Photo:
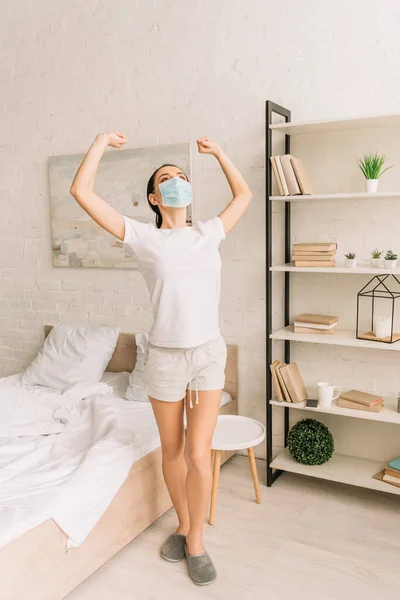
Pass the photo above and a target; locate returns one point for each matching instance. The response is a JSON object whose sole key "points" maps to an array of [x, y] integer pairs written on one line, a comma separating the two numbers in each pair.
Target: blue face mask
{"points": [[176, 192]]}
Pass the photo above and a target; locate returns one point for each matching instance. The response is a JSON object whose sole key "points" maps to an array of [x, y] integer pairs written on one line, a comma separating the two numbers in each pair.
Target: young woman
{"points": [[187, 355]]}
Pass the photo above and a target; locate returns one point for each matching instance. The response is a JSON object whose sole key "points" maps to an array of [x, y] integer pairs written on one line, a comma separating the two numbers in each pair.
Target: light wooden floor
{"points": [[308, 540]]}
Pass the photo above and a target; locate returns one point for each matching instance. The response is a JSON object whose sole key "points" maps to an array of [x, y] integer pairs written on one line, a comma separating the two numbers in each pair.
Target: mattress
{"points": [[70, 465]]}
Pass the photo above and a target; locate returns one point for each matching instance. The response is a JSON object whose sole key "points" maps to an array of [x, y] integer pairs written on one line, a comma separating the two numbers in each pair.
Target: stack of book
{"points": [[311, 323], [290, 175], [288, 383], [360, 401], [391, 473], [314, 255]]}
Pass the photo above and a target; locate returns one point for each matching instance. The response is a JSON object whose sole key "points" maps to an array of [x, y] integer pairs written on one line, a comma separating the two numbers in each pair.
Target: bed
{"points": [[37, 566]]}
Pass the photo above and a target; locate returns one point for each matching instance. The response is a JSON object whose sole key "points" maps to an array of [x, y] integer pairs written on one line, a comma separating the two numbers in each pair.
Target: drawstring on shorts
{"points": [[190, 379]]}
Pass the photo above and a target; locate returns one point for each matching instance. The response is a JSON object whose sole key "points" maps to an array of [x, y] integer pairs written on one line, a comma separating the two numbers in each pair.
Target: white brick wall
{"points": [[164, 73]]}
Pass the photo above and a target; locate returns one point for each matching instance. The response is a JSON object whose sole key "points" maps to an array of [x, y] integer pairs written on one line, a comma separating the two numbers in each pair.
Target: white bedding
{"points": [[35, 410], [73, 475]]}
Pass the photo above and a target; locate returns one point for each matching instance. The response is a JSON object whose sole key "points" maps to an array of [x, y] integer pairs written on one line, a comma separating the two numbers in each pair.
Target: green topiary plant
{"points": [[310, 442]]}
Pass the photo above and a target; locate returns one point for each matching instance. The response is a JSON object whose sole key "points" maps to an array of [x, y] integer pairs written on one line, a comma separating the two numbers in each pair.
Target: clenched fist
{"points": [[115, 139], [207, 146]]}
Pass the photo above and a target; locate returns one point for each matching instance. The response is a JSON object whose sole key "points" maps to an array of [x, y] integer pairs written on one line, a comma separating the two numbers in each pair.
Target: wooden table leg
{"points": [[254, 475], [217, 465]]}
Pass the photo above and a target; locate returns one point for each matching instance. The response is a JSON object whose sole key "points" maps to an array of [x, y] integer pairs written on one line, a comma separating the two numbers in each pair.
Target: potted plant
{"points": [[390, 260], [376, 256], [371, 166], [351, 260]]}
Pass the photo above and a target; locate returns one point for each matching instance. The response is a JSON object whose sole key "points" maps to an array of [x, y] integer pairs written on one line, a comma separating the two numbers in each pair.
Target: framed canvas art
{"points": [[121, 180]]}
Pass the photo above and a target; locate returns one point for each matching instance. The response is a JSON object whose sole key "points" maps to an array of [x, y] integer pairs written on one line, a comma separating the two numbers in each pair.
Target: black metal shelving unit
{"points": [[270, 109]]}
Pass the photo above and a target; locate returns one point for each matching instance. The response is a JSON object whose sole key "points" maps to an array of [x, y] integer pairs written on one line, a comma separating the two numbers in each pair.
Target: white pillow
{"points": [[72, 355], [135, 389]]}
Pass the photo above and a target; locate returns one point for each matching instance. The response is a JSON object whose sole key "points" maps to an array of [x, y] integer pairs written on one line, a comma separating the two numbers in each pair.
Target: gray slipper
{"points": [[173, 549], [201, 568]]}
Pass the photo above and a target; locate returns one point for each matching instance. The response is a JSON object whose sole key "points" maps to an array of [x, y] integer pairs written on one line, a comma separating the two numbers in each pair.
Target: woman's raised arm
{"points": [[82, 186], [240, 190]]}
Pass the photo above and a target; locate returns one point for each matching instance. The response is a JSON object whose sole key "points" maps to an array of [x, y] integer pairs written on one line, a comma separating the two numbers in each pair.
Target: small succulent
{"points": [[390, 255], [350, 255], [371, 165], [375, 253]]}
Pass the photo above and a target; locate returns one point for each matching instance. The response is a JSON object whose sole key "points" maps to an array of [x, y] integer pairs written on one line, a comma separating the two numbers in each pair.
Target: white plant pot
{"points": [[351, 263], [375, 262], [371, 185], [390, 264]]}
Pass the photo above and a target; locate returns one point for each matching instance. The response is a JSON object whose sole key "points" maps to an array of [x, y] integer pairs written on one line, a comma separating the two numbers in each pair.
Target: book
{"points": [[301, 175], [354, 405], [313, 258], [314, 325], [380, 475], [314, 318], [361, 397], [300, 329], [282, 176], [294, 382], [315, 247], [395, 464], [393, 472], [391, 479], [311, 263], [281, 381], [275, 381], [276, 174], [290, 177], [300, 253]]}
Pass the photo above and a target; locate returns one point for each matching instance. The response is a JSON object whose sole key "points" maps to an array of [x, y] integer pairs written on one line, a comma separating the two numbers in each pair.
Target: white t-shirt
{"points": [[182, 270]]}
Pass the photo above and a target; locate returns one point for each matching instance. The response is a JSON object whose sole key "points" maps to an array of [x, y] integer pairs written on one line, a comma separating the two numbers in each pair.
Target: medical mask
{"points": [[176, 192]]}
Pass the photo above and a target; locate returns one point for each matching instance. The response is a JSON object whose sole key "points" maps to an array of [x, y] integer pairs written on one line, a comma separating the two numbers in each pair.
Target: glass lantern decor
{"points": [[378, 324]]}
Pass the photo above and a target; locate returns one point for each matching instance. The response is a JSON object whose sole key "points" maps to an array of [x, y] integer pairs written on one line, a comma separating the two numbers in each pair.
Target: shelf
{"points": [[341, 196], [366, 121], [341, 468], [359, 270], [341, 337], [388, 414]]}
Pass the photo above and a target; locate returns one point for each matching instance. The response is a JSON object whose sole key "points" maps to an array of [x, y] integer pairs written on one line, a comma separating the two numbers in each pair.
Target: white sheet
{"points": [[71, 476], [34, 410]]}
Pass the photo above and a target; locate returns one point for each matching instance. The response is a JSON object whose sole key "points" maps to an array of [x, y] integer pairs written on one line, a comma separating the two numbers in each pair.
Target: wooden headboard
{"points": [[124, 359]]}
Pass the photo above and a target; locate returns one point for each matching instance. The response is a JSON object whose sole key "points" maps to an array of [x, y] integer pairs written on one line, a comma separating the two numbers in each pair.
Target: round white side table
{"points": [[234, 432]]}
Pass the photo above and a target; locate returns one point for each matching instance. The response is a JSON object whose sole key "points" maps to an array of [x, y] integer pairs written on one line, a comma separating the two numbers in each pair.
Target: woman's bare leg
{"points": [[201, 421], [169, 418]]}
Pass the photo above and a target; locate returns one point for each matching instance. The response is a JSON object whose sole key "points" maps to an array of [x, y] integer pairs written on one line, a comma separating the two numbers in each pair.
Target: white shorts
{"points": [[169, 372]]}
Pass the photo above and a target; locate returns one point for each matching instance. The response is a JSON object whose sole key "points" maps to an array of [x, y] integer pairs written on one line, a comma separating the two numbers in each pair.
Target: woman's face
{"points": [[164, 174]]}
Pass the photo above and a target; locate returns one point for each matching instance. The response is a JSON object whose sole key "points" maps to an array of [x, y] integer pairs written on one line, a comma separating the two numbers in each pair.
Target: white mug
{"points": [[326, 393]]}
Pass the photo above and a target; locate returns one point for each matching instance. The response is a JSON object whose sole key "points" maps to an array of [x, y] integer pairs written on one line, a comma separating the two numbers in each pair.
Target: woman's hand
{"points": [[115, 139], [207, 146]]}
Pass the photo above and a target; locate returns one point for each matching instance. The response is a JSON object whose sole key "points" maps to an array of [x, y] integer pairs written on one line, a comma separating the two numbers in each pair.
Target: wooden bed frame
{"points": [[37, 566]]}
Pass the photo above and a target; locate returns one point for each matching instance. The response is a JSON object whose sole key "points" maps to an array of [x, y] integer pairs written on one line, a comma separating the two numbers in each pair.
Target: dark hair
{"points": [[150, 190]]}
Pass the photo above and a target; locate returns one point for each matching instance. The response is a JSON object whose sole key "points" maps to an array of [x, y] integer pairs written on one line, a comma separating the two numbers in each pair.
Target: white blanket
{"points": [[70, 476], [35, 410]]}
